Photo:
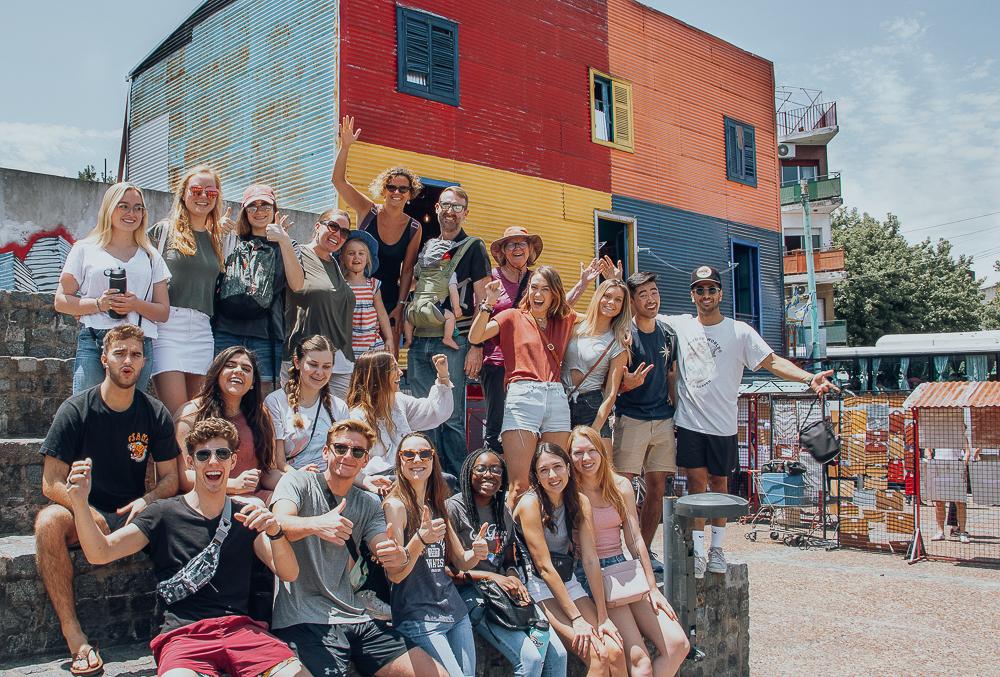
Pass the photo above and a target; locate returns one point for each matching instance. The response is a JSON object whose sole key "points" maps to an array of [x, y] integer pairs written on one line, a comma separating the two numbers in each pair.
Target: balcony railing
{"points": [[821, 188], [832, 333], [798, 120], [824, 261]]}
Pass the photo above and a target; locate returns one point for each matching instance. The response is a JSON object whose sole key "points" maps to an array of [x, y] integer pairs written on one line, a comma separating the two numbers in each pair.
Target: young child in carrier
{"points": [[359, 259], [435, 255]]}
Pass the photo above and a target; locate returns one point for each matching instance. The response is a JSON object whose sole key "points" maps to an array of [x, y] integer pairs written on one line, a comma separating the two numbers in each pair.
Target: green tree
{"points": [[894, 287], [88, 173]]}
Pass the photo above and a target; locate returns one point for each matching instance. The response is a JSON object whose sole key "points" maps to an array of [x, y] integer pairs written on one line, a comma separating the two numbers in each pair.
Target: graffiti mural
{"points": [[34, 266]]}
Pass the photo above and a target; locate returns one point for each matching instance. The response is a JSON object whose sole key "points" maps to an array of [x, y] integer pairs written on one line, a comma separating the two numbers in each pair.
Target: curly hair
{"points": [[316, 342], [121, 332], [210, 404], [377, 186], [210, 428], [571, 495]]}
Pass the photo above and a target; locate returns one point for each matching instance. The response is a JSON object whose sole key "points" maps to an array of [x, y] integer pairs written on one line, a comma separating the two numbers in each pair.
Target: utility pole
{"points": [[810, 272]]}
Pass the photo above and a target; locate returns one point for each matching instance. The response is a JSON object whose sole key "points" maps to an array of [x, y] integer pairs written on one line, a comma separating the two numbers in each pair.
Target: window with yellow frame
{"points": [[611, 111]]}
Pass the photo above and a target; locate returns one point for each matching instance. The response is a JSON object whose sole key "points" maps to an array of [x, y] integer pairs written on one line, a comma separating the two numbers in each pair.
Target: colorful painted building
{"points": [[605, 126]]}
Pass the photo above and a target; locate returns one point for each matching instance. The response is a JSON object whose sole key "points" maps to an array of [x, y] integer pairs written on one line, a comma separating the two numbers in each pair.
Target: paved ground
{"points": [[814, 613]]}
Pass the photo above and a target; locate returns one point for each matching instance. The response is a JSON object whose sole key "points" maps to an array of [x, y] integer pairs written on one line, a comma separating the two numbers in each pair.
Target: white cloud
{"points": [[46, 148], [904, 28], [981, 70]]}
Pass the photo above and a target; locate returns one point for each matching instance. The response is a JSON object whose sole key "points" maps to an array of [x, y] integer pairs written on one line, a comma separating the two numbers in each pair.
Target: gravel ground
{"points": [[812, 612]]}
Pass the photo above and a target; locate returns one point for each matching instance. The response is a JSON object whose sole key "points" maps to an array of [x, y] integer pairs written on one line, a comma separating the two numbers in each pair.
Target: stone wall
{"points": [[31, 390], [30, 326]]}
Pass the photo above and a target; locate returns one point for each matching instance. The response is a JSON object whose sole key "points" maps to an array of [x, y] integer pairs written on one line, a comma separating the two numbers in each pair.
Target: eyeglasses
{"points": [[197, 191], [424, 454], [125, 209], [333, 226], [392, 188], [711, 291], [264, 207], [344, 449], [222, 454], [487, 470], [451, 207], [517, 244]]}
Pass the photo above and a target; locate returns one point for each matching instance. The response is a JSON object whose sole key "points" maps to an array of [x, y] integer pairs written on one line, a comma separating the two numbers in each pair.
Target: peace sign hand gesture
{"points": [[633, 379], [278, 231]]}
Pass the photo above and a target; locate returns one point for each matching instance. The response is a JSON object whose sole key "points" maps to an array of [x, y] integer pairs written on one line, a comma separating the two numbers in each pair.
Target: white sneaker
{"points": [[939, 536], [700, 564], [376, 608], [963, 536], [716, 561]]}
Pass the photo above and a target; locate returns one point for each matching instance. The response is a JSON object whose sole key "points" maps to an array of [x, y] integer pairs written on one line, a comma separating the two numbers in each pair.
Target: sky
{"points": [[917, 87]]}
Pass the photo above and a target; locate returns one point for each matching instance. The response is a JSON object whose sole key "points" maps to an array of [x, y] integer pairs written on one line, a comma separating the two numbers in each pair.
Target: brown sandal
{"points": [[84, 656]]}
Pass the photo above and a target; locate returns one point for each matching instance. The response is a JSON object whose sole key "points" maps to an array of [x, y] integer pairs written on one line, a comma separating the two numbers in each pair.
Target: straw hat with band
{"points": [[516, 233]]}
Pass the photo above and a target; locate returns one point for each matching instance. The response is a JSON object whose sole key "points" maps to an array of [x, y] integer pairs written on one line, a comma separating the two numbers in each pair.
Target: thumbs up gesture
{"points": [[388, 552], [333, 526], [480, 548], [431, 530]]}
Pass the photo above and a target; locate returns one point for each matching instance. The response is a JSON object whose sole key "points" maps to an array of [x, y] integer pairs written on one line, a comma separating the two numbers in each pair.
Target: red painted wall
{"points": [[523, 78]]}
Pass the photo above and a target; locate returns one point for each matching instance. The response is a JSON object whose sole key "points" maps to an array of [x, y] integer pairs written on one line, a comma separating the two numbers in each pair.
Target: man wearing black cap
{"points": [[712, 352]]}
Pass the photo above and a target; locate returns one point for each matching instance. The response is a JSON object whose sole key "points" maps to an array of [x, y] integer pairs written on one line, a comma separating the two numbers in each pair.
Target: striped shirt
{"points": [[366, 334]]}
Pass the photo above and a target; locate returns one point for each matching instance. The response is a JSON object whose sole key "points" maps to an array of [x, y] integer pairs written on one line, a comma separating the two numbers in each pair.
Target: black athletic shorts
{"points": [[718, 453], [326, 650]]}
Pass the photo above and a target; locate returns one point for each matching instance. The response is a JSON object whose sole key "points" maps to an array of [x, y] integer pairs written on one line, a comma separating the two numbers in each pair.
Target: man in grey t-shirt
{"points": [[318, 613]]}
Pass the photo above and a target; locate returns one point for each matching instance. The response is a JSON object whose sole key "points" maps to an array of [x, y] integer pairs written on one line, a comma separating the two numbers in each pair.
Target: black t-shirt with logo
{"points": [[118, 443], [651, 400], [176, 533]]}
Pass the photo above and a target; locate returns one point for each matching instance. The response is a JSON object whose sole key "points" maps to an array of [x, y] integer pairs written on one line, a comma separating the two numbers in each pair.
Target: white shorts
{"points": [[540, 592], [184, 343], [536, 407]]}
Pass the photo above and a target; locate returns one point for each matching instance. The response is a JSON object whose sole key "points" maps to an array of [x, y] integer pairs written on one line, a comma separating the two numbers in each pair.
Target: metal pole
{"points": [[810, 272], [668, 554]]}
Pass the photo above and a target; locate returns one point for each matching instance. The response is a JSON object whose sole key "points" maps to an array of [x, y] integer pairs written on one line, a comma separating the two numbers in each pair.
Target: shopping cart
{"points": [[789, 506]]}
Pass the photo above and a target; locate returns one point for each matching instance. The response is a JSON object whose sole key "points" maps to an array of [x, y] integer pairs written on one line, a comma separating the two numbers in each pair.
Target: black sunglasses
{"points": [[222, 453], [701, 291], [392, 188], [424, 454], [344, 449]]}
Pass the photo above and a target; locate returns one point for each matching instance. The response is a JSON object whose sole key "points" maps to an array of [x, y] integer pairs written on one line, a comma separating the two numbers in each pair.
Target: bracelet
{"points": [[421, 539], [98, 302], [808, 379], [279, 535], [485, 307], [575, 617]]}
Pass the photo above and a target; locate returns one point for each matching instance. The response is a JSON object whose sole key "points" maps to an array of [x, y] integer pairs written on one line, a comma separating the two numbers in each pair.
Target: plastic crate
{"points": [[782, 489]]}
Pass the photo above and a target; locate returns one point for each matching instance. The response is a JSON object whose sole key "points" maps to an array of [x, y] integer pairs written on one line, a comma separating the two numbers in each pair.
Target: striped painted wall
{"points": [[686, 240], [684, 81], [252, 93]]}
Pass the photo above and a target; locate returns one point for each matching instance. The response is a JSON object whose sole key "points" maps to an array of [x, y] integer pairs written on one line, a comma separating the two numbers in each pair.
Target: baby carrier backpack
{"points": [[435, 266]]}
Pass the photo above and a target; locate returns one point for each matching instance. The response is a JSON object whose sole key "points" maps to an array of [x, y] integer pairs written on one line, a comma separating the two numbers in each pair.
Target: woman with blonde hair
{"points": [[190, 240], [397, 235], [612, 505], [117, 252], [597, 357], [374, 398]]}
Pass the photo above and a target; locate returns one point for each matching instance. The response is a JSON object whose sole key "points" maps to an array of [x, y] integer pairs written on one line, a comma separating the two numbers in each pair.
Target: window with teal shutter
{"points": [[427, 48], [741, 152]]}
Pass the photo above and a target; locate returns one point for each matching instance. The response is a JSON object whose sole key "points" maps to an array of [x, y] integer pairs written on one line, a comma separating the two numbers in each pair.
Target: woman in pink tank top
{"points": [[615, 516]]}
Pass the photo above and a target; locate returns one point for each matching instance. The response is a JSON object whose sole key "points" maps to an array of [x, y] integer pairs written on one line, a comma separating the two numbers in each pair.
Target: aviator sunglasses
{"points": [[197, 191], [344, 449], [222, 454]]}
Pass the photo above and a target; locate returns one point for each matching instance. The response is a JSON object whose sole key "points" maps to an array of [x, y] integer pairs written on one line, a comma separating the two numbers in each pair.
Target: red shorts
{"points": [[237, 645]]}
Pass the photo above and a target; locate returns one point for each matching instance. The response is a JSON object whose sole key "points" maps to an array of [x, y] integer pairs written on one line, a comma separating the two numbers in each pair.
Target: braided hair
{"points": [[316, 342], [497, 504]]}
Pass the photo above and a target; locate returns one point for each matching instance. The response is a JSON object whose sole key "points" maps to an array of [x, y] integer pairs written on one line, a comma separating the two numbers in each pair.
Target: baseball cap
{"points": [[258, 191], [705, 274]]}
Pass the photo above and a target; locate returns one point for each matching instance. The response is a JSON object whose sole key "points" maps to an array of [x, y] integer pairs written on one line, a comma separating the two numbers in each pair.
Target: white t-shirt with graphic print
{"points": [[711, 360]]}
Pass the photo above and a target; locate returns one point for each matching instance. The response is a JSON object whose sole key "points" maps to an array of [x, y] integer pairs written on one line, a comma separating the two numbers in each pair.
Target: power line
{"points": [[948, 223]]}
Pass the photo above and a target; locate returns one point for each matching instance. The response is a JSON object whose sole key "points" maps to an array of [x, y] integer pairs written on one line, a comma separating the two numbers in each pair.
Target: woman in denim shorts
{"points": [[597, 357], [118, 244], [533, 338], [612, 505]]}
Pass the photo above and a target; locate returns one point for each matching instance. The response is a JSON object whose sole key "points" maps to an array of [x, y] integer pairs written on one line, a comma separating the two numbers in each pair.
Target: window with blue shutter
{"points": [[427, 48], [741, 152]]}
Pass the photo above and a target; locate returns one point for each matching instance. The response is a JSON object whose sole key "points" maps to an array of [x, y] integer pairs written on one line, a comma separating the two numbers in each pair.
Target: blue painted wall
{"points": [[687, 240]]}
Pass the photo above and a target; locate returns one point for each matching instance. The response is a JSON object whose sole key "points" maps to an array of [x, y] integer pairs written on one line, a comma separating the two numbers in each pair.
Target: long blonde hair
{"points": [[606, 475], [181, 235], [101, 233], [621, 324]]}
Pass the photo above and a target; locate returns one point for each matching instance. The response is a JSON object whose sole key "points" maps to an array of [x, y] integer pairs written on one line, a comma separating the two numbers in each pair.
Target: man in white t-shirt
{"points": [[712, 352]]}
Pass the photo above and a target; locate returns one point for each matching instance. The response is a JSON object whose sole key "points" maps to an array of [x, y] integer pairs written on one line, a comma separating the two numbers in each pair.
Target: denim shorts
{"points": [[87, 368], [536, 408], [268, 352], [583, 410], [605, 562]]}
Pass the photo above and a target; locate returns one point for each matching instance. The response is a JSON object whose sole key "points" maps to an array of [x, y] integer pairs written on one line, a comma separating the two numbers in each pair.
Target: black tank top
{"points": [[390, 257]]}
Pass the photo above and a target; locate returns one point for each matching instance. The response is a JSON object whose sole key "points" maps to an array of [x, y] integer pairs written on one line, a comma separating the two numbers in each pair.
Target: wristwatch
{"points": [[280, 534]]}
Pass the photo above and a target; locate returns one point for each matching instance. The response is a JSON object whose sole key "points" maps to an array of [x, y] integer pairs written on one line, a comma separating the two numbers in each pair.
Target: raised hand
{"points": [[610, 269], [333, 526], [258, 518], [590, 272], [246, 482], [440, 363], [480, 548], [388, 552], [348, 134], [633, 379], [278, 231], [78, 481], [493, 289], [227, 225], [431, 530]]}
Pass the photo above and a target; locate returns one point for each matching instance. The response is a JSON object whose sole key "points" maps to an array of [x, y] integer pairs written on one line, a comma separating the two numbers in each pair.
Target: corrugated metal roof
{"points": [[953, 394]]}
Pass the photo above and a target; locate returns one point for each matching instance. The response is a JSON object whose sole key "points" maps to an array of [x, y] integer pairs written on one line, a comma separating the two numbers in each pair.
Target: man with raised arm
{"points": [[120, 429], [318, 614], [201, 544]]}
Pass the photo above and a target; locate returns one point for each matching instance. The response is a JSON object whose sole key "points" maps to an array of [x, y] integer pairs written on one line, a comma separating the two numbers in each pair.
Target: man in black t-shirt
{"points": [[201, 544], [472, 273], [120, 428]]}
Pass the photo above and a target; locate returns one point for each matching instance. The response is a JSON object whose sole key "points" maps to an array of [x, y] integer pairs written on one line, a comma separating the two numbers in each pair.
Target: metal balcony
{"points": [[821, 188], [801, 122]]}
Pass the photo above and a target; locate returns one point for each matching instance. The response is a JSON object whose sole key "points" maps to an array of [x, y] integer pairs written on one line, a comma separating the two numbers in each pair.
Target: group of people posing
{"points": [[279, 427]]}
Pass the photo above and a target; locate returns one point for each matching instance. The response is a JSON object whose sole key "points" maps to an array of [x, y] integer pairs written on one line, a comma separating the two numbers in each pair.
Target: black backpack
{"points": [[245, 289]]}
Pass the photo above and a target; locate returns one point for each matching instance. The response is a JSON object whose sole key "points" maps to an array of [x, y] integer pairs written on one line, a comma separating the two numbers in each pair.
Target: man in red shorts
{"points": [[201, 545]]}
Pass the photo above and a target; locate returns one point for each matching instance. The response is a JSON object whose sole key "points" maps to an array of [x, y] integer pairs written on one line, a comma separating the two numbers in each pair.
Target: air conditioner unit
{"points": [[786, 151]]}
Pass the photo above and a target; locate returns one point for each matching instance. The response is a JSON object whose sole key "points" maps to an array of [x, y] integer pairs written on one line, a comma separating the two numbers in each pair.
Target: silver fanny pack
{"points": [[196, 574]]}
